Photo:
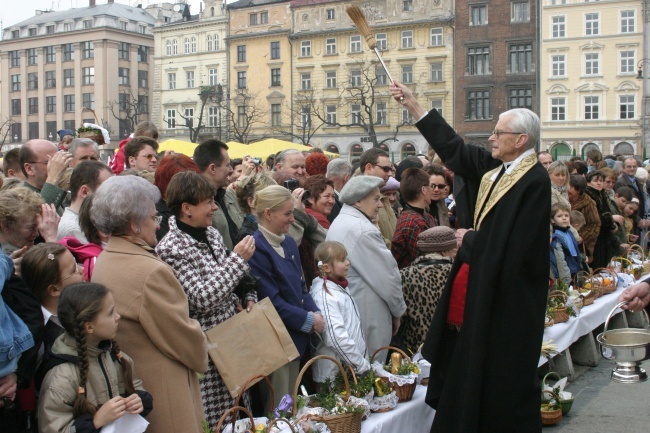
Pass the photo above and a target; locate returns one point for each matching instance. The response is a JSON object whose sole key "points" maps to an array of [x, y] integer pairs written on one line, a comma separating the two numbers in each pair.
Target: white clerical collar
{"points": [[510, 166]]}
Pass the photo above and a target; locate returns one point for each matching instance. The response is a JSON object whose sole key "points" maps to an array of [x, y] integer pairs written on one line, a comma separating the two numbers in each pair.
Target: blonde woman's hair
{"points": [[271, 198], [18, 204]]}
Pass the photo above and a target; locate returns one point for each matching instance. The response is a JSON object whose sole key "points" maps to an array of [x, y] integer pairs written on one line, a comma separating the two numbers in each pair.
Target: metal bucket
{"points": [[628, 347]]}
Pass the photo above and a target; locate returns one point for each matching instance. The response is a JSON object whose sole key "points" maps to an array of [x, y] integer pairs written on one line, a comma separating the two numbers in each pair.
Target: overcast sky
{"points": [[11, 15]]}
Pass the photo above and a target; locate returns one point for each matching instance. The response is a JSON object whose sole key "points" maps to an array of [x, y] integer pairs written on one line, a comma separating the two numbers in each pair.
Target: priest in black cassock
{"points": [[486, 335]]}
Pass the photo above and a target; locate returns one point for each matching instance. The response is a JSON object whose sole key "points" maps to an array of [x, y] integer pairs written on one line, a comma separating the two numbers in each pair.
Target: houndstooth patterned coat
{"points": [[209, 286]]}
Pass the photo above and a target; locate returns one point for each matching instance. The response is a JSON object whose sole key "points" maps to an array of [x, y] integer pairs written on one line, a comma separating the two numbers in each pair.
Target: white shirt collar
{"points": [[47, 316], [510, 166]]}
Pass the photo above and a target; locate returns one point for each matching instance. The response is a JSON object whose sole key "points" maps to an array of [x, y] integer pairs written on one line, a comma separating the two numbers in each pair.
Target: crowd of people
{"points": [[113, 272]]}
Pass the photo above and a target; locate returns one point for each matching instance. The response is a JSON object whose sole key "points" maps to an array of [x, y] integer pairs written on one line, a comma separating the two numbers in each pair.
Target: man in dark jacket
{"points": [[491, 312]]}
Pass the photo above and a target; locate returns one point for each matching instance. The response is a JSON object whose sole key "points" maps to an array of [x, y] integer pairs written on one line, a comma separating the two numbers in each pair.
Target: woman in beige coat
{"points": [[155, 329]]}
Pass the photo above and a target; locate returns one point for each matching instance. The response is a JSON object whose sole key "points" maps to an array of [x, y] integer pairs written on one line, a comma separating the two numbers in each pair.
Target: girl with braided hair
{"points": [[90, 382]]}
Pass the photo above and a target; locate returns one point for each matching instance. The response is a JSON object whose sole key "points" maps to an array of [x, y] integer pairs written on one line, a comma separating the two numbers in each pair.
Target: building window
{"points": [[252, 19], [50, 79], [32, 104], [558, 109], [478, 105], [330, 116], [355, 78], [171, 80], [380, 74], [168, 46], [67, 27], [210, 46], [143, 79], [87, 50], [592, 63], [382, 114], [521, 58], [15, 34], [33, 130], [174, 47], [123, 51], [591, 107], [123, 76], [89, 75], [212, 76], [520, 12], [626, 106], [520, 98], [88, 24], [68, 77], [142, 29], [330, 46], [330, 14], [264, 17], [68, 52], [32, 81], [382, 41], [407, 5], [355, 44], [275, 77], [628, 21], [355, 114], [276, 115], [627, 62], [436, 37], [89, 100], [212, 117], [50, 54], [305, 48], [241, 116], [186, 45], [50, 104], [407, 117], [32, 56], [558, 27], [558, 65], [143, 54], [436, 104], [124, 25], [15, 58], [275, 50], [436, 72], [15, 107], [189, 75], [241, 53], [241, 80], [305, 117], [143, 103], [15, 83], [478, 15], [478, 60], [68, 103], [592, 24], [192, 45], [32, 32], [407, 39], [407, 74], [330, 79], [189, 117], [305, 81], [171, 119]]}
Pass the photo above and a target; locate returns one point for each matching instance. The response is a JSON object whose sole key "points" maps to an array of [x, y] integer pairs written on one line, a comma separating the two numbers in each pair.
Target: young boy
{"points": [[561, 219]]}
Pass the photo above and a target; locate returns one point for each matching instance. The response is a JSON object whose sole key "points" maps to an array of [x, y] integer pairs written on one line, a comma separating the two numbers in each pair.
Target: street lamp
{"points": [[644, 99]]}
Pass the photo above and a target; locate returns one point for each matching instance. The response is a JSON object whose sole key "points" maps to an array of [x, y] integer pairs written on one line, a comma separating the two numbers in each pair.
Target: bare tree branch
{"points": [[127, 109], [5, 130], [247, 113]]}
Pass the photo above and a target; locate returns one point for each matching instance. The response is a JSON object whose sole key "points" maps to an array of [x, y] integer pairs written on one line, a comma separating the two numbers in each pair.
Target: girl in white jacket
{"points": [[342, 338]]}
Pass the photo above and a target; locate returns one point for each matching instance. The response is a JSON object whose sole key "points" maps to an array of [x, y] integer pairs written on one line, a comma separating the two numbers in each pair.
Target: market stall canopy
{"points": [[268, 147], [178, 146]]}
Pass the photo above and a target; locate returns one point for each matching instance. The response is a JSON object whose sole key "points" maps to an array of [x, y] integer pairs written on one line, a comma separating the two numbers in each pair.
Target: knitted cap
{"points": [[407, 163], [358, 188], [437, 239], [391, 185]]}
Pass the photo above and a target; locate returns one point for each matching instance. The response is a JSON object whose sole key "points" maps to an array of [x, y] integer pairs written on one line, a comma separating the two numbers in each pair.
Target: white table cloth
{"points": [[413, 416]]}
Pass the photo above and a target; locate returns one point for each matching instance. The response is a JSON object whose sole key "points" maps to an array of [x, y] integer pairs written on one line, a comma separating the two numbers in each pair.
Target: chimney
{"points": [[91, 3]]}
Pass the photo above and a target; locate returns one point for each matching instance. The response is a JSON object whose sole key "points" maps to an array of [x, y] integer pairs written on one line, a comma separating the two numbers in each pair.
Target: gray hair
{"points": [[82, 142], [524, 121], [338, 167], [279, 159], [120, 200]]}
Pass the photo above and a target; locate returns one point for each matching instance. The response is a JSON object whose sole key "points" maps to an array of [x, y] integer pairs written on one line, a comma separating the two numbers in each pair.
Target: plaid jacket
{"points": [[405, 240]]}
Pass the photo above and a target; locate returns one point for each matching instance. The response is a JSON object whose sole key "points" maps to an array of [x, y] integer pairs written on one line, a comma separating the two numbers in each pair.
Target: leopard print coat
{"points": [[422, 284]]}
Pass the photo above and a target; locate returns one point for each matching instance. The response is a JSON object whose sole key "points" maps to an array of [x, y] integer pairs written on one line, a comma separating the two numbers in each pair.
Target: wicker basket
{"points": [[340, 423], [560, 313], [608, 280], [252, 381], [95, 135], [565, 404], [404, 392], [234, 409], [284, 420], [551, 417], [548, 321]]}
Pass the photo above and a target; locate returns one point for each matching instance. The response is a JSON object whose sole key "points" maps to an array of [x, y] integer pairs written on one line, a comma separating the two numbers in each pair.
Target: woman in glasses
{"points": [[155, 330], [440, 183], [208, 272]]}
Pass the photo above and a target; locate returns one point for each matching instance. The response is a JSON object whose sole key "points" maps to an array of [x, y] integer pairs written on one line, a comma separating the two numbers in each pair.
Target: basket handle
{"points": [[553, 393], [234, 409], [304, 369], [396, 349], [354, 376], [92, 111], [252, 381], [276, 420], [550, 373]]}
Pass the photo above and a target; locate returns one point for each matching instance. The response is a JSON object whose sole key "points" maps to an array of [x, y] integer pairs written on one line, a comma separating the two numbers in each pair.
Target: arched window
{"points": [[174, 47], [193, 45], [384, 147], [210, 41], [187, 45], [408, 149], [169, 47], [587, 147], [560, 152], [212, 10], [332, 148], [623, 148], [355, 151], [216, 42]]}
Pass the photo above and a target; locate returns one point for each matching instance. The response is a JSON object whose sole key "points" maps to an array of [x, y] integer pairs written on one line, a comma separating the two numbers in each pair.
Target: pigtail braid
{"points": [[127, 370], [81, 404]]}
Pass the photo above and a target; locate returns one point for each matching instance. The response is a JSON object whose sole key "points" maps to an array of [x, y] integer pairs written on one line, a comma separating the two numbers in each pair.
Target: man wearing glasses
{"points": [[140, 154], [375, 162], [43, 166], [491, 313]]}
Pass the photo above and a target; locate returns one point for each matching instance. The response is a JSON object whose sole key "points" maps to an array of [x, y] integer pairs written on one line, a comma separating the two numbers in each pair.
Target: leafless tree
{"points": [[244, 114], [306, 121], [129, 108], [5, 130]]}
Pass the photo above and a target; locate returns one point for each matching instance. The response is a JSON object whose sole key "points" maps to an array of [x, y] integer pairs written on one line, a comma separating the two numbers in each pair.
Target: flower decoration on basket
{"points": [[400, 373], [93, 131], [557, 308], [585, 286]]}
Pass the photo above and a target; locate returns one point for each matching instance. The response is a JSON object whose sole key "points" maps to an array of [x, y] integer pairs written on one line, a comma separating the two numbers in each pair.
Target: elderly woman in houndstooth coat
{"points": [[207, 271]]}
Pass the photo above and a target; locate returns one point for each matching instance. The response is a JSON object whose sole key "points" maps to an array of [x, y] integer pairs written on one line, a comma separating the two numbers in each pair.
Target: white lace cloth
{"points": [[385, 402], [393, 378], [107, 137]]}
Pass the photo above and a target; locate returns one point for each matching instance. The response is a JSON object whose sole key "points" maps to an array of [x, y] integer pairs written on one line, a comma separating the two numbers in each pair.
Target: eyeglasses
{"points": [[149, 156], [157, 219], [438, 185], [386, 168], [79, 270], [496, 133]]}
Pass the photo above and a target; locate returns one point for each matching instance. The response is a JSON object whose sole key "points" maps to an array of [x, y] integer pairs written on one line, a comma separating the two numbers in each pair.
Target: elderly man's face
{"points": [[84, 153], [629, 167], [545, 159], [507, 143], [293, 165], [37, 169]]}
